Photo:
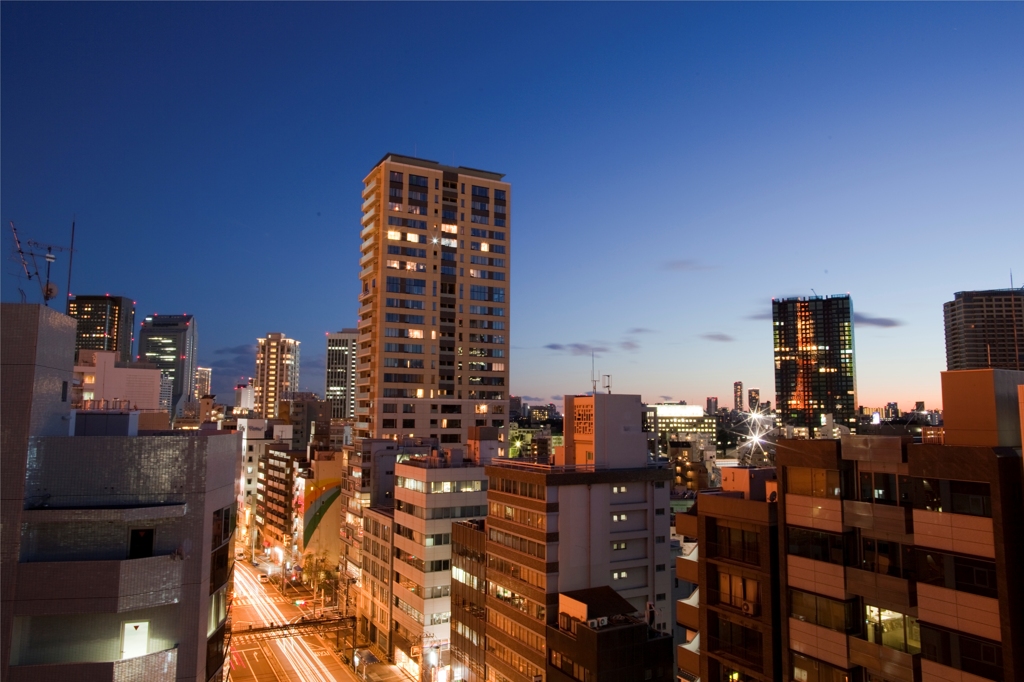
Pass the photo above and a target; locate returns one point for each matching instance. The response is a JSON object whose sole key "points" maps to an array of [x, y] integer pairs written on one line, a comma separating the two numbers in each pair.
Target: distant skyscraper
{"points": [[170, 342], [433, 301], [814, 360], [203, 377], [753, 399], [712, 405], [277, 372], [341, 373], [737, 396], [104, 323], [985, 329]]}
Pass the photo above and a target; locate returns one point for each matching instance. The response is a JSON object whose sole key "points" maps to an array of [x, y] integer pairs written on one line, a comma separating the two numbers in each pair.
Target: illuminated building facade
{"points": [[737, 396], [203, 377], [104, 323], [277, 372], [170, 342], [712, 405], [985, 329], [340, 389], [434, 301], [814, 361], [754, 399]]}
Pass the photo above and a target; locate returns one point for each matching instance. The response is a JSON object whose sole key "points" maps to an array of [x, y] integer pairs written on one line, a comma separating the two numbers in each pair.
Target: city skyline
{"points": [[852, 172]]}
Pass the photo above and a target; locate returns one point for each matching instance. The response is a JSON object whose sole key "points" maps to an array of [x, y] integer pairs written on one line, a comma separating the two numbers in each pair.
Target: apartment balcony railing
{"points": [[749, 656], [746, 555]]}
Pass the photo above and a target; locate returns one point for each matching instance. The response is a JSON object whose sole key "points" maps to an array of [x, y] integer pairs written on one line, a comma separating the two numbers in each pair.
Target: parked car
{"points": [[255, 563], [264, 578]]}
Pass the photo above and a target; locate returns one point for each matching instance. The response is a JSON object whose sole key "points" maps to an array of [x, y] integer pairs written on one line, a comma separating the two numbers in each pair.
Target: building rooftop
{"points": [[426, 163], [601, 602]]}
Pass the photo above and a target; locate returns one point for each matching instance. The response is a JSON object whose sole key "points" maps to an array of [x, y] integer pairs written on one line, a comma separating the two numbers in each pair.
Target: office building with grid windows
{"points": [[814, 362], [433, 330], [277, 372], [340, 388], [104, 323]]}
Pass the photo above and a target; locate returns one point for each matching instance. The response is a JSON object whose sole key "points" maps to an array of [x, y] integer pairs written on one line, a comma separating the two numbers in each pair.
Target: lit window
{"points": [[450, 229], [393, 264], [414, 238], [394, 235], [415, 333]]}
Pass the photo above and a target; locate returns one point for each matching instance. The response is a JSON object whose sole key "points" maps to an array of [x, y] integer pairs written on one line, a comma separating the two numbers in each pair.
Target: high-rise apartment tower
{"points": [[104, 323], [737, 396], [814, 363], [170, 342], [433, 304], [277, 372], [754, 399], [712, 405], [985, 330], [340, 388]]}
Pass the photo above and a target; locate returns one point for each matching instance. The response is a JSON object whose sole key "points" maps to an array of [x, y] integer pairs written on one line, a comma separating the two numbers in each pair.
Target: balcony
{"points": [[367, 217], [367, 242], [370, 201], [686, 525], [161, 666], [67, 587], [687, 567], [879, 518], [365, 272], [688, 611], [892, 664], [688, 656], [367, 231], [369, 188], [368, 257]]}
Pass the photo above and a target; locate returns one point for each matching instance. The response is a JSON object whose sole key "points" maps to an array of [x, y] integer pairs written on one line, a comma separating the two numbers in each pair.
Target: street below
{"points": [[261, 656]]}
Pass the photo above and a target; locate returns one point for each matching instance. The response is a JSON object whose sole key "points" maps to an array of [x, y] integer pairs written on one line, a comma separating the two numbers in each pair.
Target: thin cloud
{"points": [[576, 348], [767, 315], [531, 398], [640, 330], [717, 336], [684, 265], [867, 320], [248, 349], [629, 345], [665, 398]]}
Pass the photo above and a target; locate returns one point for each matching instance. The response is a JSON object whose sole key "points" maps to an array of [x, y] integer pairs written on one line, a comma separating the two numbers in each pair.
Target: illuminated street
{"points": [[306, 657]]}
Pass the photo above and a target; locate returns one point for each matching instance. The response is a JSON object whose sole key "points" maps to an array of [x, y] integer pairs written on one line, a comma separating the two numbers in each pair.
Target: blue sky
{"points": [[673, 167]]}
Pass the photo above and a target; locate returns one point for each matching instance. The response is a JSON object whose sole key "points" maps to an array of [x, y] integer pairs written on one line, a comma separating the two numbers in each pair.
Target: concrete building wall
{"points": [[102, 379]]}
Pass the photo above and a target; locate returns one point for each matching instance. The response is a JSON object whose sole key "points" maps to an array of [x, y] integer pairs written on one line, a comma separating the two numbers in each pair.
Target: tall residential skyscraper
{"points": [[712, 405], [737, 396], [340, 389], [170, 342], [433, 304], [104, 323], [754, 399], [203, 377], [814, 361], [985, 329], [277, 372]]}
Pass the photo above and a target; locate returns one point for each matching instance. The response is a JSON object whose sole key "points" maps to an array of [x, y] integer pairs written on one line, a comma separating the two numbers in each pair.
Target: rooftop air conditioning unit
{"points": [[602, 621], [592, 623]]}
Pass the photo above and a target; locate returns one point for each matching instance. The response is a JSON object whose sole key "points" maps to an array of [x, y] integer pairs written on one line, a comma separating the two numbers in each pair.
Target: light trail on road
{"points": [[298, 653]]}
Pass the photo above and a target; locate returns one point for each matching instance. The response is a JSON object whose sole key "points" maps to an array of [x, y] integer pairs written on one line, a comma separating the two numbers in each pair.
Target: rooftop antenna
{"points": [[813, 291], [71, 257], [607, 383], [593, 376]]}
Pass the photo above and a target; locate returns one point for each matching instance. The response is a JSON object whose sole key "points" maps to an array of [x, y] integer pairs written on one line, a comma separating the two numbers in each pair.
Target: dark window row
{"points": [[819, 545], [813, 482], [973, 655], [841, 616]]}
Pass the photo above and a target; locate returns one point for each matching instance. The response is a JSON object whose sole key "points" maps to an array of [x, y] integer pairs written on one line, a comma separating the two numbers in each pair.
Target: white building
{"points": [[277, 372], [340, 388], [100, 376]]}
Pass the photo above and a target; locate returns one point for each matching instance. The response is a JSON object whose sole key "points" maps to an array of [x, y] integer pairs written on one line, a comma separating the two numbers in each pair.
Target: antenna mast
{"points": [[71, 258], [593, 377]]}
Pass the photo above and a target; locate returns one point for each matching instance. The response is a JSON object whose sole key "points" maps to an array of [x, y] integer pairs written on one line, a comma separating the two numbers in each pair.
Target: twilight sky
{"points": [[673, 167]]}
